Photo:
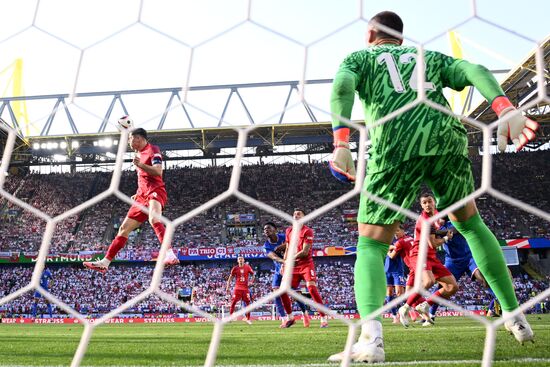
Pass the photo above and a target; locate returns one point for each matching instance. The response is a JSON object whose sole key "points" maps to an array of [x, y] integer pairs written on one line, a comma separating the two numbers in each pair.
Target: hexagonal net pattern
{"points": [[233, 191]]}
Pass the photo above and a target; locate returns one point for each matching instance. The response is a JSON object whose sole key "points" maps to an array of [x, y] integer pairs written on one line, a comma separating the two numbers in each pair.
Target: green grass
{"points": [[452, 339]]}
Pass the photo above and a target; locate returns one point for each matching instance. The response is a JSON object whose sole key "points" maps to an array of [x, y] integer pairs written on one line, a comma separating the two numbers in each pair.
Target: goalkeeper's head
{"points": [[385, 27]]}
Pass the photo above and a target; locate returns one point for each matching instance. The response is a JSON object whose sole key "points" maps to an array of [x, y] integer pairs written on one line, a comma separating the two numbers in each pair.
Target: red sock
{"points": [[414, 299], [115, 246], [316, 297], [431, 301], [159, 229], [246, 305], [232, 307], [287, 304]]}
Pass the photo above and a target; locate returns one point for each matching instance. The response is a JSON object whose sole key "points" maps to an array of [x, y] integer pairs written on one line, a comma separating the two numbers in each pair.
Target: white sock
{"points": [[105, 262], [371, 330]]}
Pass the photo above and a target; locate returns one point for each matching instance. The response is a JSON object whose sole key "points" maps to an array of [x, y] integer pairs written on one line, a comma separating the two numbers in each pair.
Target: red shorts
{"points": [[241, 294], [305, 272], [135, 212], [410, 279], [434, 265]]}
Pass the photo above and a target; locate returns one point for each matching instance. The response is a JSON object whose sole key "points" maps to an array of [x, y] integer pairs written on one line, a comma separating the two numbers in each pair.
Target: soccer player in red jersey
{"points": [[241, 272], [400, 248], [151, 193], [304, 268], [434, 271]]}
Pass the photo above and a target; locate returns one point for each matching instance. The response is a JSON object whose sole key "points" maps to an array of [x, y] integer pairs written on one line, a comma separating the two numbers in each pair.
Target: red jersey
{"points": [[403, 248], [417, 228], [241, 274], [306, 236], [149, 155]]}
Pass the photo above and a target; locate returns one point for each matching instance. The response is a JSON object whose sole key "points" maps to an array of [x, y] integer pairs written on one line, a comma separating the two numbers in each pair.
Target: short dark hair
{"points": [[427, 195], [270, 224], [300, 210], [390, 20], [140, 131]]}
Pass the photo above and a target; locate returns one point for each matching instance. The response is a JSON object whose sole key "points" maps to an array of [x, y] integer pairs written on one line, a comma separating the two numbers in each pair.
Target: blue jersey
{"points": [[394, 265], [270, 247], [456, 249], [45, 278]]}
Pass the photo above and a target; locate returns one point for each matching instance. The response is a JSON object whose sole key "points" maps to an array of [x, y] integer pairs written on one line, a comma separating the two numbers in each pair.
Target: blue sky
{"points": [[86, 46]]}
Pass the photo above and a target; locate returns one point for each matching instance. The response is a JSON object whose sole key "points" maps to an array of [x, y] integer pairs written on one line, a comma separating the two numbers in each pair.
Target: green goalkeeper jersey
{"points": [[385, 79]]}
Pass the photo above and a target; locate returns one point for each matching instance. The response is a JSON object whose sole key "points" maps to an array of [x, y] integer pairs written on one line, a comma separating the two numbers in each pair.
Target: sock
{"points": [[248, 313], [34, 306], [115, 246], [159, 229], [415, 299], [393, 309], [50, 310], [287, 305], [371, 330], [314, 291], [232, 307], [492, 305], [489, 258], [370, 277], [433, 309], [302, 306], [431, 301], [279, 306]]}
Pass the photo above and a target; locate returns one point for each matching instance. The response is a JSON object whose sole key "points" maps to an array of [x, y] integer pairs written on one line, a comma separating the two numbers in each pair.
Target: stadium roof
{"points": [[521, 86]]}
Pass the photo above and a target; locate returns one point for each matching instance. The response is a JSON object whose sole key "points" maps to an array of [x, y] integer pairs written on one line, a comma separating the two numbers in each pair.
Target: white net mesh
{"points": [[193, 50]]}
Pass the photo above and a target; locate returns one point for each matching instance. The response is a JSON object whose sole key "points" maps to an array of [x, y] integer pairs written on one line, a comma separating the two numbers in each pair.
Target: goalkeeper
{"points": [[418, 145]]}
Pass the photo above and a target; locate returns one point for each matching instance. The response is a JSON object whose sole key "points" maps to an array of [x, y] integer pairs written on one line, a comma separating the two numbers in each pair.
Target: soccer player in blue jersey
{"points": [[274, 240], [458, 258], [395, 278], [44, 283]]}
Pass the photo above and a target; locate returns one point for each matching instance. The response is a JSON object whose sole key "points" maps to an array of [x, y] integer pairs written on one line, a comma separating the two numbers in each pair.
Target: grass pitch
{"points": [[452, 342]]}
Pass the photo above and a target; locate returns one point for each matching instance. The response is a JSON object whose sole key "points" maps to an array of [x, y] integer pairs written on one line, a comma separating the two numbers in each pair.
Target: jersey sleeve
{"points": [[308, 236], [458, 74], [157, 155], [344, 87], [233, 270]]}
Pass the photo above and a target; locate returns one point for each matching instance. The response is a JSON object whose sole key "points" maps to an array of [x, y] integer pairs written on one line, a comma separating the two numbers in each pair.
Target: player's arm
{"points": [[305, 250], [393, 252], [252, 276], [513, 125], [155, 169], [273, 256], [341, 104], [436, 242], [229, 282]]}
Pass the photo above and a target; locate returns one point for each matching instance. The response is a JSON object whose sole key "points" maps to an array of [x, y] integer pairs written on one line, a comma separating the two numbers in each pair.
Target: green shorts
{"points": [[449, 177]]}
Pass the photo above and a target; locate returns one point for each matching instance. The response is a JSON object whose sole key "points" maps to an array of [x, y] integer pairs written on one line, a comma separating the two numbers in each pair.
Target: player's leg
{"points": [[457, 270], [36, 297], [399, 290], [247, 301], [296, 278], [237, 296], [155, 210], [452, 180], [128, 225], [389, 295], [275, 284]]}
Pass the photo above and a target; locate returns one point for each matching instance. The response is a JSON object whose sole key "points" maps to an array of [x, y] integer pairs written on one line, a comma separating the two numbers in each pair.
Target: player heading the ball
{"points": [[420, 145], [151, 193]]}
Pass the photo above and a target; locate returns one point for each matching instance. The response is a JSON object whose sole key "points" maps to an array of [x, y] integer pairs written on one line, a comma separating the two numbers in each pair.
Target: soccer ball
{"points": [[125, 122]]}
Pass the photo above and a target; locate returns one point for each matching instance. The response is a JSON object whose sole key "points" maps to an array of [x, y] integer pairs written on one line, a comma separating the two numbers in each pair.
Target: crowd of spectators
{"points": [[282, 186], [91, 293]]}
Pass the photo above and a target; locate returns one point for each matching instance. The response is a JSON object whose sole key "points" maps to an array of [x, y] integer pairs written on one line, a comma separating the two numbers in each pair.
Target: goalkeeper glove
{"points": [[514, 126], [341, 163]]}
